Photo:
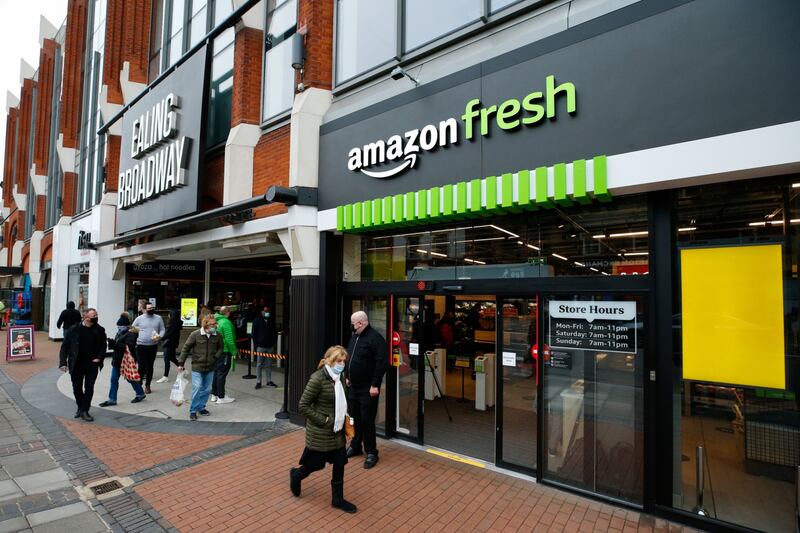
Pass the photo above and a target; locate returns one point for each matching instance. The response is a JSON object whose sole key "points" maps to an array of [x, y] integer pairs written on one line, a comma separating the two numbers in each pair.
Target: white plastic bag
{"points": [[178, 393]]}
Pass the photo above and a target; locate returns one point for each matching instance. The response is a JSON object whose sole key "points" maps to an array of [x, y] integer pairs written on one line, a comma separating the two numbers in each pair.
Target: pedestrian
{"points": [[170, 340], [82, 354], [124, 339], [229, 351], [265, 339], [68, 317], [324, 404], [151, 329], [205, 346], [365, 370]]}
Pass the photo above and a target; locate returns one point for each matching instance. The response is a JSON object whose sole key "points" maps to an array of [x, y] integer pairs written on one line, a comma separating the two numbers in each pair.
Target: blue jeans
{"points": [[201, 386], [112, 392]]}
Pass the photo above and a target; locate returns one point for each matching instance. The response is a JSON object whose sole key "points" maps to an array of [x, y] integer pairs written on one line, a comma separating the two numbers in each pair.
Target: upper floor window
{"points": [[278, 73], [370, 33]]}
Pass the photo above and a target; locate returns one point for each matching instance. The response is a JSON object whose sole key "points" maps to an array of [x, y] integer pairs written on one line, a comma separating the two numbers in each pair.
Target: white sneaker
{"points": [[226, 399], [214, 398], [163, 380]]}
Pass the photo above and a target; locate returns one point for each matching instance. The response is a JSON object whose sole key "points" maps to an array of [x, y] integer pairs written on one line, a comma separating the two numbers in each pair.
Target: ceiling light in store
{"points": [[573, 235], [600, 236], [776, 222], [579, 264], [560, 257], [520, 243], [593, 268], [757, 224], [632, 254], [423, 252], [437, 254], [474, 261], [605, 273], [532, 247], [687, 229], [628, 234], [498, 228], [795, 185]]}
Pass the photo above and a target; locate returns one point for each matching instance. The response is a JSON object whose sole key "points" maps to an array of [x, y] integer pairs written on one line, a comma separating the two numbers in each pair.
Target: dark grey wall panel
{"points": [[645, 77]]}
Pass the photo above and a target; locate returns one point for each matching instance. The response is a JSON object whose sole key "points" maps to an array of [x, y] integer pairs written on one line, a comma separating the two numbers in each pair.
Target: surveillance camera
{"points": [[398, 73]]}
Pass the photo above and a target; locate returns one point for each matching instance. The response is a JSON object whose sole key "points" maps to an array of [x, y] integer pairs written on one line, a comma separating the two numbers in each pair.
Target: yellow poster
{"points": [[189, 311], [732, 315]]}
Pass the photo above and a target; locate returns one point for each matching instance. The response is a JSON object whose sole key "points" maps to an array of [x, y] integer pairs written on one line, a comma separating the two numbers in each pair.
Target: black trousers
{"points": [[147, 358], [169, 356], [83, 376], [312, 460], [221, 374], [363, 408]]}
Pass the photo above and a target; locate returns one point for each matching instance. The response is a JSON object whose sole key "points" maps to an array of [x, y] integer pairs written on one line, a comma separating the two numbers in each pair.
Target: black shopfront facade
{"points": [[555, 241]]}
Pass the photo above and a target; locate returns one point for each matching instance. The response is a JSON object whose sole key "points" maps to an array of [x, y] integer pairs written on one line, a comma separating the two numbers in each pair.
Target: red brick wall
{"points": [[271, 167], [214, 183], [71, 100], [47, 247], [19, 221], [26, 256], [315, 20], [44, 107], [25, 110], [112, 56], [113, 147], [8, 170], [41, 203], [127, 39], [246, 100], [68, 193]]}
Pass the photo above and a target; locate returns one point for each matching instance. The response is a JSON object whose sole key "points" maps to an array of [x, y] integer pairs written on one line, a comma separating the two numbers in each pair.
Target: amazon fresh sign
{"points": [[401, 151]]}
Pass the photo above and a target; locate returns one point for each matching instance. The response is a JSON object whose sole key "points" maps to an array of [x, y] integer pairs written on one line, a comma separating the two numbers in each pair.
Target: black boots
{"points": [[338, 501], [296, 475]]}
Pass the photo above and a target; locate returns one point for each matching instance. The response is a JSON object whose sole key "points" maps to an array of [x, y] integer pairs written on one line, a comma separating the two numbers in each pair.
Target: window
{"points": [[156, 38], [366, 35], [221, 90], [425, 21], [278, 73], [55, 177], [198, 24]]}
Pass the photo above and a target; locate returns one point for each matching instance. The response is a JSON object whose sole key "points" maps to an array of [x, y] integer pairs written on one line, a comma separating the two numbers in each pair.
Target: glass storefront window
{"points": [[425, 21], [598, 240], [278, 71], [78, 286], [747, 420], [376, 308], [366, 35]]}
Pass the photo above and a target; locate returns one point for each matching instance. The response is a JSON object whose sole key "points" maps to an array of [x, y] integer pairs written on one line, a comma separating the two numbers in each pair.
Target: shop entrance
{"points": [[548, 383]]}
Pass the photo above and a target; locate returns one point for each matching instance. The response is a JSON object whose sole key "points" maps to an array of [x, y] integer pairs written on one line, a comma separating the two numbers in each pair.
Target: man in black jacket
{"points": [[68, 317], [366, 366], [265, 340], [82, 354], [170, 340]]}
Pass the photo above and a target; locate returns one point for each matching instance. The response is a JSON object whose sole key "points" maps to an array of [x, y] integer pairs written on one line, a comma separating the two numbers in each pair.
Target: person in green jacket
{"points": [[205, 347], [229, 350], [324, 404]]}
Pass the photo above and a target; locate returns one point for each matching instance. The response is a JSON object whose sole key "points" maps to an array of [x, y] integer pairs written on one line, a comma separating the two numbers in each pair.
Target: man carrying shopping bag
{"points": [[205, 347]]}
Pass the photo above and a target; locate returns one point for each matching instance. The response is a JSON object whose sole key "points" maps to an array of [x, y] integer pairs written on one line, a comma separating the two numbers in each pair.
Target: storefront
{"points": [[580, 249]]}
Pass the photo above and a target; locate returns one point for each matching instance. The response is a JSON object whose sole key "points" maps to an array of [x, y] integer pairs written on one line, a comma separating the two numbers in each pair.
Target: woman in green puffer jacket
{"points": [[324, 404]]}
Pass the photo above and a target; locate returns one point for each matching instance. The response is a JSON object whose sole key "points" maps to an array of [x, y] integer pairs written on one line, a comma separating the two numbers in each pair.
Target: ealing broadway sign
{"points": [[509, 115], [160, 155]]}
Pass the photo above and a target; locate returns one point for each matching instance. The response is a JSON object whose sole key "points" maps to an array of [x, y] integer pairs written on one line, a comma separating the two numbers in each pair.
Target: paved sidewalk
{"points": [[35, 493]]}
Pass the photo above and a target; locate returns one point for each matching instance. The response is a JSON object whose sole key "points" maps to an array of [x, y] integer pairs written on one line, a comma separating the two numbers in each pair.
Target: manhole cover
{"points": [[107, 487]]}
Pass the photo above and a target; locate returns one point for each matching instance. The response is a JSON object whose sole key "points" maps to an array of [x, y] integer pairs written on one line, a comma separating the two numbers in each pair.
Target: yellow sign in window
{"points": [[732, 315]]}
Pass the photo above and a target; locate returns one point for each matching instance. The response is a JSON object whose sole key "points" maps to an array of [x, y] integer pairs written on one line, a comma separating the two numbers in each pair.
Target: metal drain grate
{"points": [[107, 487]]}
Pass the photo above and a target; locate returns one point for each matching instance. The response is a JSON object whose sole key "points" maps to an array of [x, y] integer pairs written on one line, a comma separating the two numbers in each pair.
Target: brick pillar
{"points": [[68, 193], [72, 85], [315, 20], [246, 99], [113, 147]]}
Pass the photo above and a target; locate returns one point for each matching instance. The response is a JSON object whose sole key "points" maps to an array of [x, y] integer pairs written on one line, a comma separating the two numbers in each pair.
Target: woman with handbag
{"points": [[324, 404], [124, 339]]}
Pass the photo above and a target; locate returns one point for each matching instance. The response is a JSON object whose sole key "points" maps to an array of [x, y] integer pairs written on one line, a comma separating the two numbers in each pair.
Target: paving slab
{"points": [[14, 524], [28, 463], [43, 517], [44, 481], [9, 489], [87, 522]]}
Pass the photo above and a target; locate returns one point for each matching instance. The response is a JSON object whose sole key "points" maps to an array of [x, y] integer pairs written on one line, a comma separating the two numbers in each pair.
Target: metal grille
{"points": [[772, 430], [107, 487]]}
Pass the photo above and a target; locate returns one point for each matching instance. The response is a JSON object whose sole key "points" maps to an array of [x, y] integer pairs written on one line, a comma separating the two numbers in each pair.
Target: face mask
{"points": [[212, 331], [151, 311], [93, 320], [338, 368], [266, 315], [353, 327]]}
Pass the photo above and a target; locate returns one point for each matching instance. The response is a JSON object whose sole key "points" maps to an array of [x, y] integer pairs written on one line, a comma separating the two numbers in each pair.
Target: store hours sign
{"points": [[592, 325], [160, 153]]}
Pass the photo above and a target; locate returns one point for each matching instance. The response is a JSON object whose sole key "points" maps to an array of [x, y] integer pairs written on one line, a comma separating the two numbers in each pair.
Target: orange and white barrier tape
{"points": [[263, 354]]}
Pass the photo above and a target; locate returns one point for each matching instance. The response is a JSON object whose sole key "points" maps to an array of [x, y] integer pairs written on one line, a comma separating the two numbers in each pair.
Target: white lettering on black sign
{"points": [[589, 325], [163, 157]]}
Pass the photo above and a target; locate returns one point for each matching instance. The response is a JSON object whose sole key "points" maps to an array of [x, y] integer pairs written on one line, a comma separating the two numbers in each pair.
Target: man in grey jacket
{"points": [[151, 329]]}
